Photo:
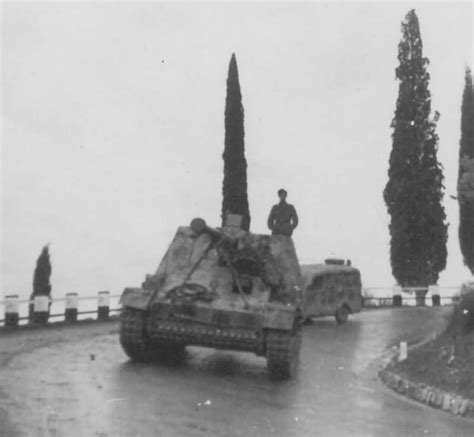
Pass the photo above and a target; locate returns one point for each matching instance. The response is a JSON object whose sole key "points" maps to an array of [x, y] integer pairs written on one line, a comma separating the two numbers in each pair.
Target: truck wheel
{"points": [[133, 337], [283, 352], [342, 314]]}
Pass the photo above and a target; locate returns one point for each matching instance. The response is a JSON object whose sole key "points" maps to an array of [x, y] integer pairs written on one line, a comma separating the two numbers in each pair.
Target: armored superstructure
{"points": [[223, 288]]}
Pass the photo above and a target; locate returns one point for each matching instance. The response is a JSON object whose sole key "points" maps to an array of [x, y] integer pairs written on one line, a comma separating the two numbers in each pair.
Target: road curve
{"points": [[78, 382]]}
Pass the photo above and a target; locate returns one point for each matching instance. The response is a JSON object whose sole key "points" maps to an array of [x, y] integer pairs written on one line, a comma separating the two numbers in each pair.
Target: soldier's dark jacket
{"points": [[282, 219]]}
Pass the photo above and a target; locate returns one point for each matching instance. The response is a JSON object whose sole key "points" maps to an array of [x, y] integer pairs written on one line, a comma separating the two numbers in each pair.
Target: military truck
{"points": [[331, 289], [223, 288]]}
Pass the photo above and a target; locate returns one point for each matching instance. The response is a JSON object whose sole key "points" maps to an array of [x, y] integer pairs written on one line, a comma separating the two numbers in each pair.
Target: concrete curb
{"points": [[421, 392], [427, 395]]}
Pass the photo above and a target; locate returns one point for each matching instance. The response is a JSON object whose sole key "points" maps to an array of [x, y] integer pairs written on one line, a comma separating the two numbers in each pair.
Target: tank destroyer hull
{"points": [[225, 289]]}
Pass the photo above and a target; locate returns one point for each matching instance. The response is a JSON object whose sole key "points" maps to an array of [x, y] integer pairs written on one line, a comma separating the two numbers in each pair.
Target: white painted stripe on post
{"points": [[41, 304], [103, 299], [397, 290], [12, 304], [434, 290], [72, 301], [403, 351]]}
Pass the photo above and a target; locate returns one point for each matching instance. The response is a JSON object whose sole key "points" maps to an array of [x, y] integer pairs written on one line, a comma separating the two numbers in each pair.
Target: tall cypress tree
{"points": [[234, 187], [414, 191], [466, 175], [41, 284]]}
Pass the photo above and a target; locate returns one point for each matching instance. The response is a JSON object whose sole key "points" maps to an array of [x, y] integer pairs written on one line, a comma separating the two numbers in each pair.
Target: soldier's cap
{"points": [[282, 191]]}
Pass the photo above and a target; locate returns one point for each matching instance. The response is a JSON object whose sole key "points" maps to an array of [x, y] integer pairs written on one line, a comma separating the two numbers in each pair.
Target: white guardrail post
{"points": [[403, 351], [435, 297], [103, 305], [420, 296], [397, 296], [71, 306], [11, 310], [41, 309]]}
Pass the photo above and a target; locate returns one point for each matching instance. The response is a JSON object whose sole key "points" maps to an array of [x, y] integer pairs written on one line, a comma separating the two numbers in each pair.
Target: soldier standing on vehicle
{"points": [[283, 218]]}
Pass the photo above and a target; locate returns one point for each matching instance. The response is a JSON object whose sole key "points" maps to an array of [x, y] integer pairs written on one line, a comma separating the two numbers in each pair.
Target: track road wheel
{"points": [[283, 352], [133, 336], [342, 314]]}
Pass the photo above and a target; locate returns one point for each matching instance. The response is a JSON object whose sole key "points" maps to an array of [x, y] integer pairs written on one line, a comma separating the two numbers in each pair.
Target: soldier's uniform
{"points": [[282, 219]]}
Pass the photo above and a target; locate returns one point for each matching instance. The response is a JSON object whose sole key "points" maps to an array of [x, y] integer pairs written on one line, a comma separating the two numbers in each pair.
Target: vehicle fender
{"points": [[279, 316], [137, 298]]}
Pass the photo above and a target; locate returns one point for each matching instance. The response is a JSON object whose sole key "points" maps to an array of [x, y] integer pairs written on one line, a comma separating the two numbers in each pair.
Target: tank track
{"points": [[283, 350], [133, 337]]}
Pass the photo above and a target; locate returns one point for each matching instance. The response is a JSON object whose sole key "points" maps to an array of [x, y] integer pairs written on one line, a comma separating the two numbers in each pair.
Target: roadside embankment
{"points": [[439, 373]]}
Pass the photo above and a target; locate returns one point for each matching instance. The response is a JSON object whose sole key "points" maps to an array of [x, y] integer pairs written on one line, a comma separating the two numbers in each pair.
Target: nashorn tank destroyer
{"points": [[223, 288]]}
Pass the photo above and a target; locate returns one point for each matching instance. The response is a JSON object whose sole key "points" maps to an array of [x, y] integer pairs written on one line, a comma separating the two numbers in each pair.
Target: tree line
{"points": [[414, 191]]}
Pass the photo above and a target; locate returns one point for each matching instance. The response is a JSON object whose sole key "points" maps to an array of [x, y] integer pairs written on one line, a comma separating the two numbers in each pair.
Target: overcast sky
{"points": [[113, 128]]}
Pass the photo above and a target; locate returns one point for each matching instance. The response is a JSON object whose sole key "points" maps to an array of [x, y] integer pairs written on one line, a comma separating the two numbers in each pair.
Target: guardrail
{"points": [[406, 301], [410, 296], [42, 308]]}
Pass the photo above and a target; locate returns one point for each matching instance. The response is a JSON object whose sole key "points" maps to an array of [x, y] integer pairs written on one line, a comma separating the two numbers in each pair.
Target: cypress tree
{"points": [[41, 284], [466, 175], [415, 190], [234, 187]]}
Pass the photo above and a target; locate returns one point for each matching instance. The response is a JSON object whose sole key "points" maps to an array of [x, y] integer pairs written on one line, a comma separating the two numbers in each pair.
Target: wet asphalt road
{"points": [[80, 383]]}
